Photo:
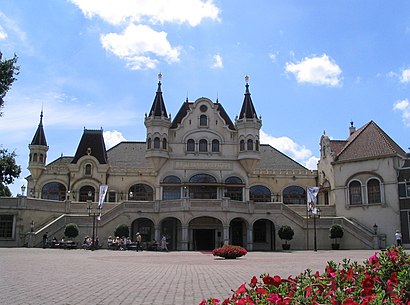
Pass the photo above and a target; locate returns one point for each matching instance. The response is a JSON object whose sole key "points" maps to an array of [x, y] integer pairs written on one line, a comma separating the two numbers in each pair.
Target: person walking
{"points": [[45, 240], [164, 243], [138, 241], [397, 235]]}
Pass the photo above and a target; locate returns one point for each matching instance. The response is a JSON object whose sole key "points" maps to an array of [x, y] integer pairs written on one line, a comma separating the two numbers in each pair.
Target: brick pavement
{"points": [[104, 277]]}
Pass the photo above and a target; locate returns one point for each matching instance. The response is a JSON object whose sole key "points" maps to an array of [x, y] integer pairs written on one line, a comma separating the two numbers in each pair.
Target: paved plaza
{"points": [[82, 277]]}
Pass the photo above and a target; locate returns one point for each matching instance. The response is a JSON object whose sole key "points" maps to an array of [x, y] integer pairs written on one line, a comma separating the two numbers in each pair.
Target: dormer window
{"points": [[203, 120], [88, 170]]}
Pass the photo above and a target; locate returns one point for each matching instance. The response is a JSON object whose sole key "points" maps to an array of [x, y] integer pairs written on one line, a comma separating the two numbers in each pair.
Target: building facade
{"points": [[204, 180]]}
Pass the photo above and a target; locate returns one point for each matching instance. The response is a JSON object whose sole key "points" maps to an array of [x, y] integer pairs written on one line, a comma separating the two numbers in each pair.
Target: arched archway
{"points": [[171, 228], [54, 191], [237, 232], [145, 227], [205, 233], [264, 235]]}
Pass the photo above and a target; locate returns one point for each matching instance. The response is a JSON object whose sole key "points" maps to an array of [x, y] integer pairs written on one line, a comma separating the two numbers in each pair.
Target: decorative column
{"points": [[184, 237], [226, 235], [157, 233], [250, 238]]}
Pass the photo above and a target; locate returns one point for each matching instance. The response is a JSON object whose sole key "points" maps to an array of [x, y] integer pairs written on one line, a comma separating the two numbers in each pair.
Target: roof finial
{"points": [[246, 79], [160, 76]]}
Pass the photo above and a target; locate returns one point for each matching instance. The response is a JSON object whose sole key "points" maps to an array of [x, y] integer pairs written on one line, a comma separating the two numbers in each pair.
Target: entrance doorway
{"points": [[204, 239]]}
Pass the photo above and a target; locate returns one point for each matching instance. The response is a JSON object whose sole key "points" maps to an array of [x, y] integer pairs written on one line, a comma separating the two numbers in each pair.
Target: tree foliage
{"points": [[71, 230], [122, 231], [9, 171], [8, 72]]}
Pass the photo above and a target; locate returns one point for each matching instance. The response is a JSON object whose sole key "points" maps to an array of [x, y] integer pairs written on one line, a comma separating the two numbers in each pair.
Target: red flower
{"points": [[261, 291], [367, 284], [274, 298], [272, 281], [254, 281], [241, 289], [350, 301]]}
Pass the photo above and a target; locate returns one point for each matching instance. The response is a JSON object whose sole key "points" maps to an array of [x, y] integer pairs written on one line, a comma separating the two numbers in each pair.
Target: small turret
{"points": [[248, 125], [38, 152], [157, 123]]}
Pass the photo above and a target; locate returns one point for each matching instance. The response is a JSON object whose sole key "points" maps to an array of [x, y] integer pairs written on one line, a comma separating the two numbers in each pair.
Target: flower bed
{"points": [[229, 252], [383, 279]]}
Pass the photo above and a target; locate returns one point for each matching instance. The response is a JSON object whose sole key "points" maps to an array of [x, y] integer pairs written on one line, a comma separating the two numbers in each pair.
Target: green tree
{"points": [[71, 230], [122, 231], [8, 72], [9, 171]]}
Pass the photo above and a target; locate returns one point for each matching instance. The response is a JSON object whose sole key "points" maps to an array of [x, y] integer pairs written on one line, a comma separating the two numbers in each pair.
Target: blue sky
{"points": [[314, 66]]}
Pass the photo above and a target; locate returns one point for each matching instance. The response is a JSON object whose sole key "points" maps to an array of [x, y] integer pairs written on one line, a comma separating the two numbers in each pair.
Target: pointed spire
{"points": [[40, 137], [158, 106], [248, 110]]}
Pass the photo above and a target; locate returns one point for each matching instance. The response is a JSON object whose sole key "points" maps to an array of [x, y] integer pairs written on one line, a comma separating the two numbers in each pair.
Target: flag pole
{"points": [[307, 219]]}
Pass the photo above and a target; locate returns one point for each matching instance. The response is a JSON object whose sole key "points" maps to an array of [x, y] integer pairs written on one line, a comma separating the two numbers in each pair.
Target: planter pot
{"points": [[230, 257], [335, 246], [285, 246]]}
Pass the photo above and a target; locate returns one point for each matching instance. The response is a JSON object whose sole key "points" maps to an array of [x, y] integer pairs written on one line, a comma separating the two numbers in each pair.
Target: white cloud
{"points": [[404, 107], [152, 11], [112, 138], [287, 146], [138, 41], [217, 61], [405, 76], [3, 34], [316, 70], [273, 56]]}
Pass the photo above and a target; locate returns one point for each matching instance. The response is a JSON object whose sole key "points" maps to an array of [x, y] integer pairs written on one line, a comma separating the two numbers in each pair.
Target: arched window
{"points": [[294, 195], [35, 157], [190, 145], [257, 145], [157, 142], [172, 188], [203, 145], [233, 190], [373, 191], [242, 145], [84, 193], [141, 192], [355, 193], [149, 143], [260, 193], [41, 158], [249, 144], [54, 191], [164, 143], [205, 188], [88, 170], [203, 120], [215, 146]]}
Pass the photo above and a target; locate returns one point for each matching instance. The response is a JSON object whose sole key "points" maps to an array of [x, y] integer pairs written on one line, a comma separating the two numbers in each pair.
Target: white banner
{"points": [[103, 192], [312, 192]]}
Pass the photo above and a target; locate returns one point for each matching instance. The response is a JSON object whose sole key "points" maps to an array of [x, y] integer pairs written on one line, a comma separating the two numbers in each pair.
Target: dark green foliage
{"points": [[9, 171], [286, 233], [122, 231], [8, 72], [71, 230], [335, 232]]}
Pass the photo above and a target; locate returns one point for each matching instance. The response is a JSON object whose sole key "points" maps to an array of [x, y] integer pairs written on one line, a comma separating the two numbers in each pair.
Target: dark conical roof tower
{"points": [[40, 137], [248, 110], [158, 106]]}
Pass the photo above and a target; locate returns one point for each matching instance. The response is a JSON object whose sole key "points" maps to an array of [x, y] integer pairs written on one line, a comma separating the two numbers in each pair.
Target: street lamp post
{"points": [[23, 189], [93, 213], [314, 212]]}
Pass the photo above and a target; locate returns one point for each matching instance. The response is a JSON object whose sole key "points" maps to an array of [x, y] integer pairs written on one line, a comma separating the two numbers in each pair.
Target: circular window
{"points": [[203, 108]]}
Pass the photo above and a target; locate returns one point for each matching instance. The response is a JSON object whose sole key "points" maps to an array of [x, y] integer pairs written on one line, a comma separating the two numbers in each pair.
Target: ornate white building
{"points": [[204, 180]]}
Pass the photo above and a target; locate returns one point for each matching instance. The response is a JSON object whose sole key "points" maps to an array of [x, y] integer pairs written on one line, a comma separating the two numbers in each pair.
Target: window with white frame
{"points": [[355, 193], [373, 191]]}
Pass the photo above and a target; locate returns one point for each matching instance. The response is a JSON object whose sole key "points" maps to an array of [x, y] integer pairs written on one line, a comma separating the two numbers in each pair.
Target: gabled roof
{"points": [[39, 137], [91, 143], [272, 158], [183, 111], [158, 106], [248, 110], [369, 141]]}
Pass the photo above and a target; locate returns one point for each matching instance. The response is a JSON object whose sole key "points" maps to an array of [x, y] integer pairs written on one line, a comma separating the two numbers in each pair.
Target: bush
{"points": [[122, 231], [229, 251], [383, 279], [335, 232], [286, 233], [71, 230]]}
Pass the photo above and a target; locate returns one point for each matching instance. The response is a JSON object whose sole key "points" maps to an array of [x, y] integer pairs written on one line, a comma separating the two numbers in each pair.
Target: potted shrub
{"points": [[336, 232], [286, 233], [71, 231], [122, 231], [229, 252]]}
